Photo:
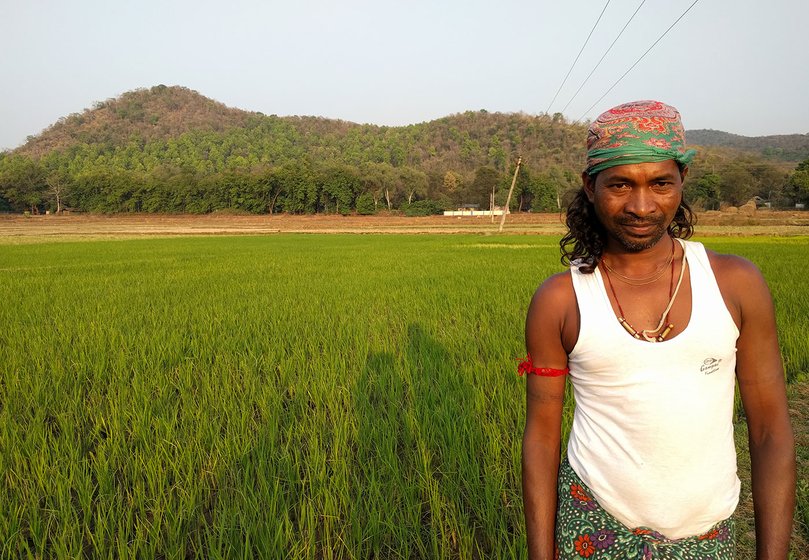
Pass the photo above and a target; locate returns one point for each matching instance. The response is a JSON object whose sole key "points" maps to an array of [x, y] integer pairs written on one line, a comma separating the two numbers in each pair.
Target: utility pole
{"points": [[510, 192]]}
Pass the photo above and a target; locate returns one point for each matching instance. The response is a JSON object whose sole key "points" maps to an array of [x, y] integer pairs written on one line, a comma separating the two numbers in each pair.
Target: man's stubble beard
{"points": [[636, 246]]}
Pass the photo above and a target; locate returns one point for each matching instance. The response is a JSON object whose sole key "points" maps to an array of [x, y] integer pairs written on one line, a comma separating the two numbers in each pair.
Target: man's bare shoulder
{"points": [[741, 284], [553, 313], [731, 269], [551, 326], [555, 290]]}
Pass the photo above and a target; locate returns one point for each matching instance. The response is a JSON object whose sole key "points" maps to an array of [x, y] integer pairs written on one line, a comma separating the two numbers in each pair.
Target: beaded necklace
{"points": [[649, 334]]}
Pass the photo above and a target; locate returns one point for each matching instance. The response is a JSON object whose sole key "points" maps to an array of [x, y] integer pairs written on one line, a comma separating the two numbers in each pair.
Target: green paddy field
{"points": [[291, 396]]}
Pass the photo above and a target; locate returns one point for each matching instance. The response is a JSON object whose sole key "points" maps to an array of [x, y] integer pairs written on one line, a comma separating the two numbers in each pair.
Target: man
{"points": [[654, 331]]}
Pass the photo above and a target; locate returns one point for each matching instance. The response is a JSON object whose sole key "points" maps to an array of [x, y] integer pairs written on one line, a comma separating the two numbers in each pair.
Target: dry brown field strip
{"points": [[26, 229]]}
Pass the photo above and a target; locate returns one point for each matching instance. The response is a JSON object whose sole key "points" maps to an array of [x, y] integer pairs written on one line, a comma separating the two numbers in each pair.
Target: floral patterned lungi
{"points": [[585, 530]]}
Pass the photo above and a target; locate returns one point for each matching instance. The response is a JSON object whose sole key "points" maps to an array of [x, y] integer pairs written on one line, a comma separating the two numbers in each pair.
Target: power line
{"points": [[604, 55], [577, 57], [638, 60]]}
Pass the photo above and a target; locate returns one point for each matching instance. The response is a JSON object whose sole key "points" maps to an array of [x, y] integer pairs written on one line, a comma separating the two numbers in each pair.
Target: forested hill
{"points": [[170, 149], [159, 113], [180, 125], [788, 147]]}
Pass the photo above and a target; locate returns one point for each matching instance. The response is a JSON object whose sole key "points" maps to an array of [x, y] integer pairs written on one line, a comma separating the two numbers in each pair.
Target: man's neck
{"points": [[638, 262]]}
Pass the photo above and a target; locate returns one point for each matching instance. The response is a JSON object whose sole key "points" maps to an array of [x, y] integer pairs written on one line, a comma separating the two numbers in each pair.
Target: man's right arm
{"points": [[545, 324]]}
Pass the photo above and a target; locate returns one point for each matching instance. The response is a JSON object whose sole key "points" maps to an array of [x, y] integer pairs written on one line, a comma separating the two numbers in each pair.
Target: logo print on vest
{"points": [[710, 365]]}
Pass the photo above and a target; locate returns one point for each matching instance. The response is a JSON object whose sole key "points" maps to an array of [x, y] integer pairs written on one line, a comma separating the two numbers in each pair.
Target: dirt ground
{"points": [[27, 229]]}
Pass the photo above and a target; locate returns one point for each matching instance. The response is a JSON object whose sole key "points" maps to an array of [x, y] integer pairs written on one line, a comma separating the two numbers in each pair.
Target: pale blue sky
{"points": [[734, 65]]}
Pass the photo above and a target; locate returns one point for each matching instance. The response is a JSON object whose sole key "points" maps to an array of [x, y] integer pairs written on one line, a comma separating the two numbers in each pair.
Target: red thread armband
{"points": [[527, 366]]}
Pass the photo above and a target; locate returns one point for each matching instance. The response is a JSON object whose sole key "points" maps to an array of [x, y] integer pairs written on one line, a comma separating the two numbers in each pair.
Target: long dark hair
{"points": [[586, 236]]}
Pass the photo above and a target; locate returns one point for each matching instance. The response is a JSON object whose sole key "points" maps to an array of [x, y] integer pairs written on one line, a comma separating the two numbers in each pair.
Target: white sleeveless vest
{"points": [[652, 432]]}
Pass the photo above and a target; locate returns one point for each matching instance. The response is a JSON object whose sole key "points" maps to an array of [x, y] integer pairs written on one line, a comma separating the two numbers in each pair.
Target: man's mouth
{"points": [[640, 228]]}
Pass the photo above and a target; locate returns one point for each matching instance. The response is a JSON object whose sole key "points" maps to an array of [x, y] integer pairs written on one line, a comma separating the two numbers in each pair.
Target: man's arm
{"points": [[543, 423], [760, 374]]}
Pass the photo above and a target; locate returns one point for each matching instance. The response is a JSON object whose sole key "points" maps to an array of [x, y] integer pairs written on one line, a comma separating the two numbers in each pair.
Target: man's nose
{"points": [[641, 202]]}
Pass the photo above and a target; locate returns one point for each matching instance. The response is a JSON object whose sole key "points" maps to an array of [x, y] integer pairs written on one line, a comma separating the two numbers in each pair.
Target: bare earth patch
{"points": [[32, 229]]}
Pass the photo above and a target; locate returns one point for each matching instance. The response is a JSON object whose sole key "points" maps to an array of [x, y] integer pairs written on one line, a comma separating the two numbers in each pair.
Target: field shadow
{"points": [[414, 451]]}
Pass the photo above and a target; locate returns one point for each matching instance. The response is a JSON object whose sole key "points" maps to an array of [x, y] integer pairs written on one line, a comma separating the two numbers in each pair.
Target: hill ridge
{"points": [[165, 112], [789, 147]]}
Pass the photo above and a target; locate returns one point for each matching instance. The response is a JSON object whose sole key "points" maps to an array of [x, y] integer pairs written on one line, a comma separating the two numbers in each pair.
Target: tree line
{"points": [[303, 187], [307, 187]]}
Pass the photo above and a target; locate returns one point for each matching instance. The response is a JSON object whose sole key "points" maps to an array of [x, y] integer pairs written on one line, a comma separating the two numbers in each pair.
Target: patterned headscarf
{"points": [[636, 132]]}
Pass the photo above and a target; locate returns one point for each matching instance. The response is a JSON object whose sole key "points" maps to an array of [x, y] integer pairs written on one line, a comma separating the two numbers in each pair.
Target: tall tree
{"points": [[703, 193], [58, 189], [414, 183], [798, 183], [452, 187], [738, 184], [484, 184], [22, 181]]}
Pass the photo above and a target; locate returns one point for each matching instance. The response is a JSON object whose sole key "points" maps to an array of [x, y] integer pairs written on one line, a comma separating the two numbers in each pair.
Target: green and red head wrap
{"points": [[636, 132]]}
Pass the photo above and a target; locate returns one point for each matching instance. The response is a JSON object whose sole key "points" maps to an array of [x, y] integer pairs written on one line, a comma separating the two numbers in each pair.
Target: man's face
{"points": [[636, 202]]}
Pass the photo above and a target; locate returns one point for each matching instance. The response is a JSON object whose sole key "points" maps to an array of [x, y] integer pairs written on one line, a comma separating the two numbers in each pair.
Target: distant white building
{"points": [[472, 210]]}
